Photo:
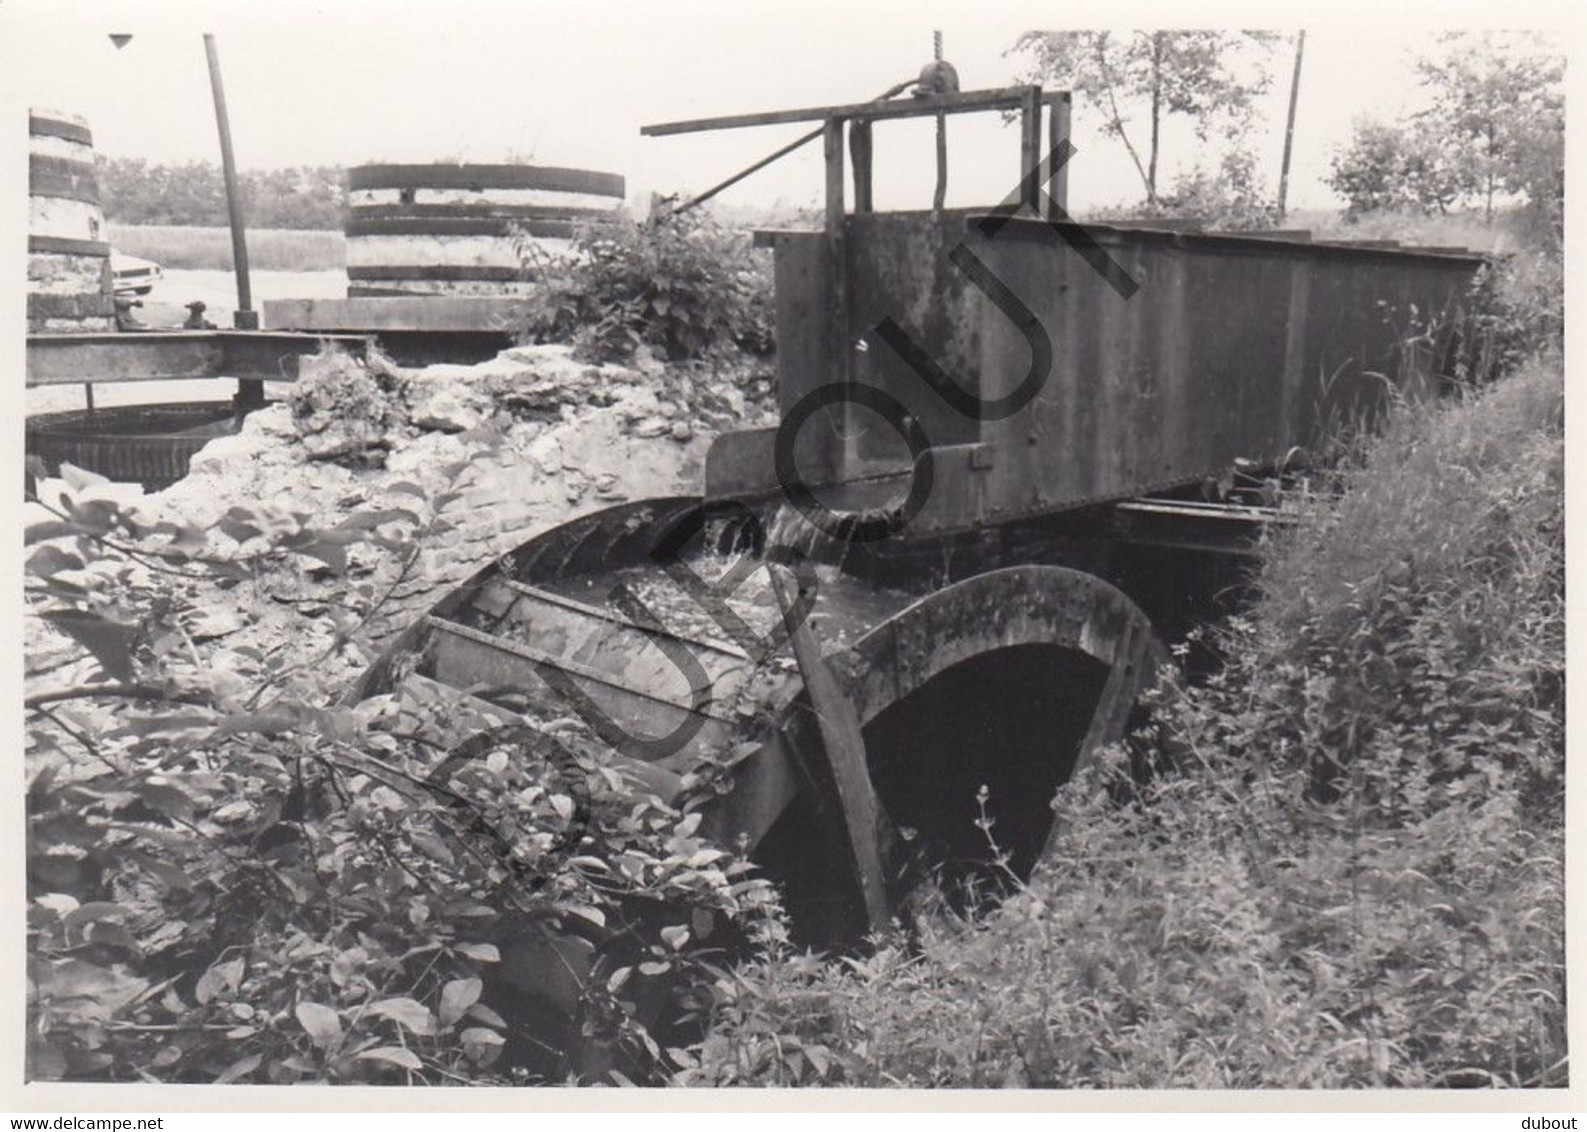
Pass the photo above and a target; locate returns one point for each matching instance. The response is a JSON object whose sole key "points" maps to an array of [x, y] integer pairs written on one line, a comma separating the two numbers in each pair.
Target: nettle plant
{"points": [[234, 876]]}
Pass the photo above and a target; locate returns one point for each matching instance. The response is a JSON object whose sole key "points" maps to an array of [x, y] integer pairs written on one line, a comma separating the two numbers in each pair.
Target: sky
{"points": [[561, 83]]}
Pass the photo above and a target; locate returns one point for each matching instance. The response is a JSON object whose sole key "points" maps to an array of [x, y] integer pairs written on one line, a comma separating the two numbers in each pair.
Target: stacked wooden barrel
{"points": [[454, 229], [69, 280]]}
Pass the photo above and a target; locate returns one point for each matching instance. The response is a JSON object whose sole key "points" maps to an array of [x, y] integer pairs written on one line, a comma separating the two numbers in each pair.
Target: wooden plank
{"points": [[486, 209], [499, 226], [44, 126], [62, 177], [839, 724], [482, 177], [1004, 98], [72, 359], [456, 313], [837, 359], [64, 245], [437, 272], [1059, 116], [1030, 147], [860, 153]]}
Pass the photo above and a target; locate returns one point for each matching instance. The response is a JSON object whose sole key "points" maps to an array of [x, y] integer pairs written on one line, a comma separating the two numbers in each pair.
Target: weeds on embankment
{"points": [[1352, 873]]}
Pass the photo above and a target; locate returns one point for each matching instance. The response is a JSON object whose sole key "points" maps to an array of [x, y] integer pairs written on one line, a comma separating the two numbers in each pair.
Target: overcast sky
{"points": [[348, 81]]}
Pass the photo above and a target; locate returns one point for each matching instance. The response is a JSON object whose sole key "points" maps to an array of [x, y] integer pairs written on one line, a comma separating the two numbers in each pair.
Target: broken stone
{"points": [[447, 408]]}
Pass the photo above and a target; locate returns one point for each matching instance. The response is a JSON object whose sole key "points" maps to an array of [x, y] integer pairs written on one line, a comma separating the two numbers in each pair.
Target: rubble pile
{"points": [[503, 450]]}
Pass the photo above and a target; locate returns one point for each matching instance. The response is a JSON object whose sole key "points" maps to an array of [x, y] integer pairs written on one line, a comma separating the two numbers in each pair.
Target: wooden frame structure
{"points": [[1027, 101]]}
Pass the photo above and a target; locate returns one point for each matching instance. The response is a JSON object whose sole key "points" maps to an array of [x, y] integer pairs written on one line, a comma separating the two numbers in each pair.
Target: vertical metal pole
{"points": [[1289, 127], [228, 165], [250, 394]]}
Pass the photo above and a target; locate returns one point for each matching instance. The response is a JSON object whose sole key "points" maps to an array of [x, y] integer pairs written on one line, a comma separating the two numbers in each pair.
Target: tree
{"points": [[1494, 126], [135, 192], [1194, 74], [1388, 166], [1230, 196], [1497, 97]]}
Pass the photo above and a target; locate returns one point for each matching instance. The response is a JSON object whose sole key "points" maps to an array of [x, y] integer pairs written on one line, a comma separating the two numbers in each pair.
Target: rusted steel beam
{"points": [[1005, 98], [76, 359]]}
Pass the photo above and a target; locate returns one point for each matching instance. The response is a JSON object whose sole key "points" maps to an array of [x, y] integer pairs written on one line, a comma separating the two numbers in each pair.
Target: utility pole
{"points": [[1289, 126]]}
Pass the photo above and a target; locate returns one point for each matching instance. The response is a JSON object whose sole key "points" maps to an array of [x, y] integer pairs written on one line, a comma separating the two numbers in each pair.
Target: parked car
{"points": [[133, 275]]}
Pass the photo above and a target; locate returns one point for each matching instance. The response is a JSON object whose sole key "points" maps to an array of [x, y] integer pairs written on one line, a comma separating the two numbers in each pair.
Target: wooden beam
{"points": [[837, 321], [839, 724], [1004, 98], [1030, 147], [457, 313], [1059, 112], [860, 153], [105, 359]]}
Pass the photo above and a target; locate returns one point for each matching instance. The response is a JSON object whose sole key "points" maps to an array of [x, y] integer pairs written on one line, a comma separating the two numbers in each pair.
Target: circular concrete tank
{"points": [[69, 281]]}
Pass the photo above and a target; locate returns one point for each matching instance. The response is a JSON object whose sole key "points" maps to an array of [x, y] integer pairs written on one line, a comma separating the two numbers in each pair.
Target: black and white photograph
{"points": [[746, 550]]}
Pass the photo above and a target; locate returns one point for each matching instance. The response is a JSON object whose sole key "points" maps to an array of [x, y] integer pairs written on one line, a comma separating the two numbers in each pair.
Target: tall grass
{"points": [[1348, 870], [209, 249]]}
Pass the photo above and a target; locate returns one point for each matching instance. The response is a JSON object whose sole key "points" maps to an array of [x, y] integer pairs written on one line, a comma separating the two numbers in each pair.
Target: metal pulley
{"points": [[937, 77]]}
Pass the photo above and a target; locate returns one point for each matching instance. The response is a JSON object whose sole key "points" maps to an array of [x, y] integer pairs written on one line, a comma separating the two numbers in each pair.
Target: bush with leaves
{"points": [[1230, 198], [1350, 871], [234, 876], [1493, 128], [682, 286]]}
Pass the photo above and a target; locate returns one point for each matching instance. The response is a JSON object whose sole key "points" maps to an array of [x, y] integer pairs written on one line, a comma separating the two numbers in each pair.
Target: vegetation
{"points": [[1154, 75], [136, 192], [1231, 197], [185, 247], [683, 287], [233, 876], [1493, 127], [1349, 868]]}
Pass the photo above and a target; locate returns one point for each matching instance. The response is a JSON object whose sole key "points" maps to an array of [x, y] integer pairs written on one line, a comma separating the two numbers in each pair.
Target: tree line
{"points": [[1486, 132], [134, 191], [1491, 133]]}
